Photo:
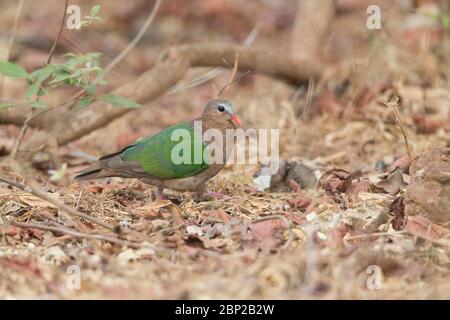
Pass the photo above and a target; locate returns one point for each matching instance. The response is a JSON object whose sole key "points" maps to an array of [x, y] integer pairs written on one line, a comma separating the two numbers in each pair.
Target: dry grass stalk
{"points": [[226, 88], [394, 105]]}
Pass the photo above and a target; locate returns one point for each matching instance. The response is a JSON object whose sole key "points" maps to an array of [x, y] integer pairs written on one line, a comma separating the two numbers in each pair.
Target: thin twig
{"points": [[138, 37], [393, 104], [77, 234], [40, 194], [233, 77], [12, 40], [19, 138], [226, 87], [66, 104], [236, 79], [52, 50], [189, 84]]}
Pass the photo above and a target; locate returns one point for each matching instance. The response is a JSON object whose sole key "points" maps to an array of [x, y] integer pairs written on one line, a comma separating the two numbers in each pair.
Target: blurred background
{"points": [[408, 55]]}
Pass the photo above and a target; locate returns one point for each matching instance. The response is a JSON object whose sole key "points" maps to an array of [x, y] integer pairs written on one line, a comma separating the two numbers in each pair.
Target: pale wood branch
{"points": [[310, 27]]}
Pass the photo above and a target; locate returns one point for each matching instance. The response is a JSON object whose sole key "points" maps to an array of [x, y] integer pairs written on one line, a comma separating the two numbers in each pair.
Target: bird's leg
{"points": [[159, 195]]}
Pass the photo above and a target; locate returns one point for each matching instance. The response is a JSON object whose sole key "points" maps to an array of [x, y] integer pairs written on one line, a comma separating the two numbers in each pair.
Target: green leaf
{"points": [[37, 104], [83, 102], [60, 76], [40, 75], [4, 106], [91, 88], [42, 92], [95, 10], [58, 68], [72, 63], [32, 90], [12, 70], [44, 73], [79, 73], [120, 101]]}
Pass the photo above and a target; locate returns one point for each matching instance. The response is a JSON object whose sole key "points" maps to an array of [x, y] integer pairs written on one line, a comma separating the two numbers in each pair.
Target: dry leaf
{"points": [[300, 202], [397, 208], [152, 209], [335, 181], [391, 182], [263, 235]]}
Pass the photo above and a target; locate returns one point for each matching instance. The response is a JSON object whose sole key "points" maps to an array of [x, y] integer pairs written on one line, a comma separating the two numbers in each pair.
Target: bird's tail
{"points": [[104, 169]]}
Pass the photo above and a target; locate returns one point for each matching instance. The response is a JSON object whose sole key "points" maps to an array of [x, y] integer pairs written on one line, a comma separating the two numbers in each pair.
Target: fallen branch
{"points": [[67, 126], [77, 234], [212, 72], [40, 194], [171, 68], [310, 27]]}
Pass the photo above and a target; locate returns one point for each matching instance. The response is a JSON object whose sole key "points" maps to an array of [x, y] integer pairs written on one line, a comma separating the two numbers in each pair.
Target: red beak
{"points": [[236, 120]]}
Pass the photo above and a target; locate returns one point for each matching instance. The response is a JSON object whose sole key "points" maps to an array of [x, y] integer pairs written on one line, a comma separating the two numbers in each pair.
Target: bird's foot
{"points": [[159, 195]]}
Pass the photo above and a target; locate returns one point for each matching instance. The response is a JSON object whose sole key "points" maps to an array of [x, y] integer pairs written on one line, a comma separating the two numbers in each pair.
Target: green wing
{"points": [[160, 155]]}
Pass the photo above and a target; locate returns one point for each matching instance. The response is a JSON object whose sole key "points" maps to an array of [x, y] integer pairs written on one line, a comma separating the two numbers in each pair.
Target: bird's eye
{"points": [[221, 108]]}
